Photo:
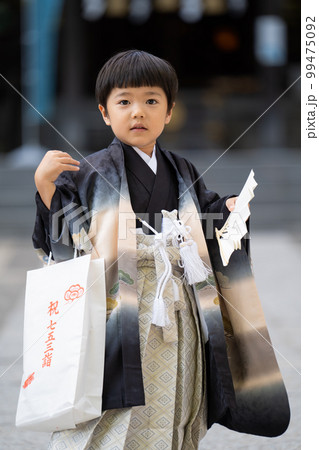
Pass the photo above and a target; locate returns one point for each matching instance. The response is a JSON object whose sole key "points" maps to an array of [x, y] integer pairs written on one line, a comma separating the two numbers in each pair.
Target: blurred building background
{"points": [[234, 59]]}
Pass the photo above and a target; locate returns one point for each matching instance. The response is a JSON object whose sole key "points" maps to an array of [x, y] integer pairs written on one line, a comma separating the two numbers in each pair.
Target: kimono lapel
{"points": [[150, 193], [138, 169], [140, 181], [164, 193], [115, 240], [127, 296]]}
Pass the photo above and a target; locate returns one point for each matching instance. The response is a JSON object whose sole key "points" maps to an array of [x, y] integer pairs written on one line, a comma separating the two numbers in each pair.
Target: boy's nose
{"points": [[137, 112]]}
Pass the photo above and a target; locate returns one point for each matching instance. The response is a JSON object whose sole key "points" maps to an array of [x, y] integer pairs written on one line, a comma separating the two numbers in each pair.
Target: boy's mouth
{"points": [[138, 126]]}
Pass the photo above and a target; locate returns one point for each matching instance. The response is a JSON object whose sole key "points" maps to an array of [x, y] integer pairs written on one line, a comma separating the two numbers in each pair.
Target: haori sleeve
{"points": [[41, 234], [52, 231]]}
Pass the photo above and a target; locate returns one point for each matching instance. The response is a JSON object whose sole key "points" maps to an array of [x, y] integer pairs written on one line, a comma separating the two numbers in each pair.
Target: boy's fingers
{"points": [[61, 154], [66, 154], [70, 167], [230, 203], [70, 161], [57, 152]]}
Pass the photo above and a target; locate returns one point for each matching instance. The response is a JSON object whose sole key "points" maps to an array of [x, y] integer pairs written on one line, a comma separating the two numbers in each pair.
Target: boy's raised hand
{"points": [[230, 203], [53, 163]]}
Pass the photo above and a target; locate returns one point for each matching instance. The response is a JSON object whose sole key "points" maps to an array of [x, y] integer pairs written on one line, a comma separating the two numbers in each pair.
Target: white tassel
{"points": [[194, 268], [160, 316], [175, 291]]}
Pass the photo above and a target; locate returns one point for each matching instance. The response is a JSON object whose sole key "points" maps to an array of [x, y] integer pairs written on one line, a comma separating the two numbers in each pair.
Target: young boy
{"points": [[167, 370]]}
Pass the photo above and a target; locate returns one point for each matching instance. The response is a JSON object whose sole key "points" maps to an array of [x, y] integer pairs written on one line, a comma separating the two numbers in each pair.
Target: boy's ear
{"points": [[169, 115], [104, 114]]}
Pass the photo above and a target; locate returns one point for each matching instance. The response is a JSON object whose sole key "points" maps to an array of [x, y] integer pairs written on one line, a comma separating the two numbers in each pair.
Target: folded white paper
{"points": [[229, 236]]}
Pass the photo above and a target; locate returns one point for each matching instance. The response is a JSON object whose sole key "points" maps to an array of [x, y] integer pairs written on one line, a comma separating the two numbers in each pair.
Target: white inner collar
{"points": [[151, 161]]}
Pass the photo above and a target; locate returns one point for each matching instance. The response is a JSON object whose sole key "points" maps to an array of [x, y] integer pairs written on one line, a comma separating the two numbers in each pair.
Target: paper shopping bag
{"points": [[64, 340]]}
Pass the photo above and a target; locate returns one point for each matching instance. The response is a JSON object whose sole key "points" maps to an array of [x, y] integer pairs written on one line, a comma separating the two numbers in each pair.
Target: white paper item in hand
{"points": [[229, 236]]}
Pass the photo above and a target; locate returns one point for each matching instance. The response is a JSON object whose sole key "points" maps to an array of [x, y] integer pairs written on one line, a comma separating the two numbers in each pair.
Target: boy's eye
{"points": [[124, 102], [151, 101]]}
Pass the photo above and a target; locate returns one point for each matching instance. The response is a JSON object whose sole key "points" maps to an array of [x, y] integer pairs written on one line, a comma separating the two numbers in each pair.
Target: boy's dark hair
{"points": [[136, 68]]}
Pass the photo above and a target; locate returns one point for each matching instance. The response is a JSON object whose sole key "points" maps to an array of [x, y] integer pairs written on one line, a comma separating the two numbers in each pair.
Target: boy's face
{"points": [[137, 115]]}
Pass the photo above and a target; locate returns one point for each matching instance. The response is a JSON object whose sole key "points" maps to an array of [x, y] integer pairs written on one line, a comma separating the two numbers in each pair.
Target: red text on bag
{"points": [[29, 380], [48, 352]]}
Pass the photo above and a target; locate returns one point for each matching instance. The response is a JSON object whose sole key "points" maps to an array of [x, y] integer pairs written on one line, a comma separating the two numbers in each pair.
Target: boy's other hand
{"points": [[230, 203], [52, 165]]}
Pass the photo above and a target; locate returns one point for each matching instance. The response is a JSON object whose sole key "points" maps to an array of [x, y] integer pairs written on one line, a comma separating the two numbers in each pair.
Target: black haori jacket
{"points": [[94, 210]]}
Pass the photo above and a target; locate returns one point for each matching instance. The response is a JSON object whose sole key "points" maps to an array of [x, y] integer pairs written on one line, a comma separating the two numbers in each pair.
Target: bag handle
{"points": [[75, 255], [49, 259]]}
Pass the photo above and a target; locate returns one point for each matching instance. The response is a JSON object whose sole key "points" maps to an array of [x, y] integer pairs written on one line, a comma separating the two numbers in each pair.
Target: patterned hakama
{"points": [[174, 414]]}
